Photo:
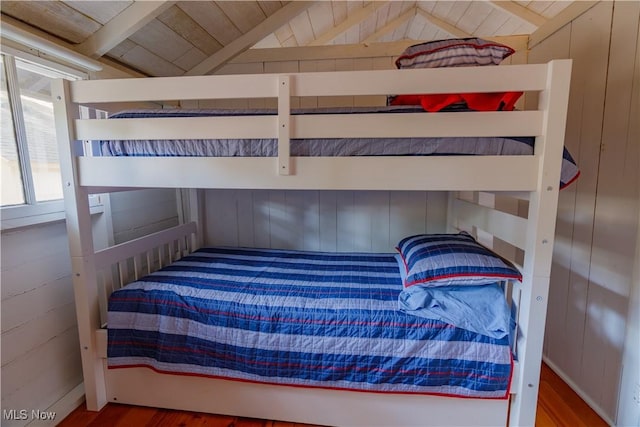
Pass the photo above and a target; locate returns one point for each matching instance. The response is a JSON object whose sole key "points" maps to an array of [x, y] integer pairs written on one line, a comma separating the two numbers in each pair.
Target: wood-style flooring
{"points": [[558, 405]]}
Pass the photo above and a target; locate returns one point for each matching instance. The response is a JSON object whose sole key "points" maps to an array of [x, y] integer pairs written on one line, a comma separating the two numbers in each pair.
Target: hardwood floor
{"points": [[558, 405]]}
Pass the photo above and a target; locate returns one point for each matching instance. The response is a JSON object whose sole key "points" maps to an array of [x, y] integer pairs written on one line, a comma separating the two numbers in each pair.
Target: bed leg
{"points": [[79, 230]]}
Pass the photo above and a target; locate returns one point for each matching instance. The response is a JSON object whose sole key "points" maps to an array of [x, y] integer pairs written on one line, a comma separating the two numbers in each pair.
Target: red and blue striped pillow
{"points": [[466, 52], [451, 259]]}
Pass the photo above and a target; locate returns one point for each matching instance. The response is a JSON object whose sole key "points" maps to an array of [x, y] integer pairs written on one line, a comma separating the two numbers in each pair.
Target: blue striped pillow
{"points": [[451, 259]]}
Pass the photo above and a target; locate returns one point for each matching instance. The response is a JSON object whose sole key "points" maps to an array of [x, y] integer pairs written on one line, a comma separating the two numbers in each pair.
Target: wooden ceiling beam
{"points": [[354, 19], [443, 25], [520, 12], [313, 53], [110, 69], [567, 15], [248, 39], [391, 26], [123, 25], [351, 51]]}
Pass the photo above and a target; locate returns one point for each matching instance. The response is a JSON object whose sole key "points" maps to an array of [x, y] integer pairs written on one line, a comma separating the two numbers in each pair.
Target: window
{"points": [[31, 188], [12, 187], [30, 165]]}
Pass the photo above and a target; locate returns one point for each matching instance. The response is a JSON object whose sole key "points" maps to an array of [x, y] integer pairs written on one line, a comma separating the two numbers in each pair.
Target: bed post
{"points": [[451, 213], [81, 249], [192, 208], [539, 242]]}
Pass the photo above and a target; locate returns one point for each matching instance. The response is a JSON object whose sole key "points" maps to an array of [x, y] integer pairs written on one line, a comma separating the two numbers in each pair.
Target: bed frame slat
{"points": [[377, 82], [449, 173], [510, 228], [110, 256], [380, 125]]}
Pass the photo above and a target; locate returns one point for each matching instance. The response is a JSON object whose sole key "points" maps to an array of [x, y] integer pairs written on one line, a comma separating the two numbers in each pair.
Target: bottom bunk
{"points": [[312, 319], [314, 337]]}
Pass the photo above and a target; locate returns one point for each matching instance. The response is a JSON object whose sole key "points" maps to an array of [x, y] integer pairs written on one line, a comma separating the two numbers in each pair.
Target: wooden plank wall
{"points": [[40, 348], [598, 215], [628, 407], [365, 221], [629, 399], [141, 212]]}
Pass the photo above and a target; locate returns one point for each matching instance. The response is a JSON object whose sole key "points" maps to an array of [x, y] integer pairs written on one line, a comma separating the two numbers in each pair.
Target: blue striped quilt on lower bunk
{"points": [[295, 318]]}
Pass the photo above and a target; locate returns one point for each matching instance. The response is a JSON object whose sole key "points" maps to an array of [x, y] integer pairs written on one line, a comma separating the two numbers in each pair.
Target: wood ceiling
{"points": [[167, 38]]}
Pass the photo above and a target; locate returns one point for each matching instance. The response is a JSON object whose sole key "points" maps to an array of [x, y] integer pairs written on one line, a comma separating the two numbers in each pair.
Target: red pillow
{"points": [[495, 101]]}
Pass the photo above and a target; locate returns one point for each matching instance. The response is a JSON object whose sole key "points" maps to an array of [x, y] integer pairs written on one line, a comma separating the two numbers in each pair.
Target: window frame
{"points": [[32, 212]]}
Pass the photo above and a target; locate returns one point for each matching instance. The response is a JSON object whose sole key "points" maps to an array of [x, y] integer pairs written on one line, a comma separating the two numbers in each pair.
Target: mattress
{"points": [[329, 147], [309, 319]]}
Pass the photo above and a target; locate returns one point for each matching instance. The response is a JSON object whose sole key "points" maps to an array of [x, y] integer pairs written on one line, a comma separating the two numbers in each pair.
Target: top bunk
{"points": [[281, 166]]}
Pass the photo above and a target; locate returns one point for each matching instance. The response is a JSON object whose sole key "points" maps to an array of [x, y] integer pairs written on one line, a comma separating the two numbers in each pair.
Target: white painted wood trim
{"points": [[109, 256], [16, 49], [427, 80], [314, 173], [19, 129], [193, 213], [351, 51], [540, 237], [36, 40], [520, 195], [102, 341], [499, 123], [343, 83], [118, 29], [172, 127], [452, 196], [510, 228], [284, 124], [141, 386], [81, 249]]}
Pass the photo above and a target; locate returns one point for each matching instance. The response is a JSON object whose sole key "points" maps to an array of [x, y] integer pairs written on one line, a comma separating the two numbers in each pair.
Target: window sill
{"points": [[14, 217]]}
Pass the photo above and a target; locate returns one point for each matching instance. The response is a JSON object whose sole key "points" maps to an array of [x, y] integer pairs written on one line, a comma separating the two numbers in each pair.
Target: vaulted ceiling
{"points": [[168, 38]]}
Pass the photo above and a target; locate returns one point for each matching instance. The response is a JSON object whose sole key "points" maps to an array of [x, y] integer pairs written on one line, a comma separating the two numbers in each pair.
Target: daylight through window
{"points": [[30, 164]]}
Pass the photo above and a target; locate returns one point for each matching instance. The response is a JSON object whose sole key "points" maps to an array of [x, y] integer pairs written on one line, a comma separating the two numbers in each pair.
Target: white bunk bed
{"points": [[534, 178]]}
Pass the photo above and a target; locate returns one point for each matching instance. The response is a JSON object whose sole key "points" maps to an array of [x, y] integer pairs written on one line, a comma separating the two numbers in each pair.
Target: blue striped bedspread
{"points": [[311, 319]]}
